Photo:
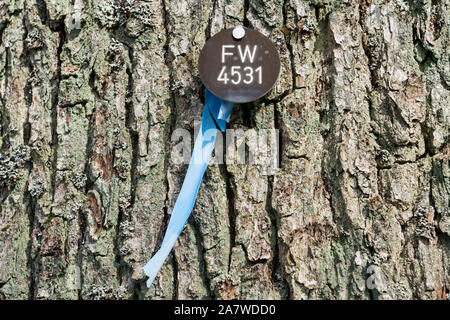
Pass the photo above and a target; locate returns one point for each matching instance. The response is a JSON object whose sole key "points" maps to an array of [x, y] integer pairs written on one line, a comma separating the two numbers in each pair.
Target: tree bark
{"points": [[359, 208]]}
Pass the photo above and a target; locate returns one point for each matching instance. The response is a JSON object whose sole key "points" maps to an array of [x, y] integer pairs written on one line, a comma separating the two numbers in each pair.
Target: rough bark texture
{"points": [[86, 177]]}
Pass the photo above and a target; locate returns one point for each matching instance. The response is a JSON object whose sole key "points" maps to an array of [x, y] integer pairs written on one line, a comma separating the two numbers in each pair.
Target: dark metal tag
{"points": [[239, 65]]}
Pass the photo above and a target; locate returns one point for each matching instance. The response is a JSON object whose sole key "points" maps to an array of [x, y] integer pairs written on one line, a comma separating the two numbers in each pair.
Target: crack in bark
{"points": [[89, 185], [55, 104], [330, 166], [246, 22], [129, 123], [201, 254], [33, 223], [231, 212], [175, 275], [287, 39], [276, 258], [4, 125], [172, 120], [122, 267], [28, 199]]}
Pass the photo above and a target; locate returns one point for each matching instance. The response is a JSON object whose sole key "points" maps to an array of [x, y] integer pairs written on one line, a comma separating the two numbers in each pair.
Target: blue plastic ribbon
{"points": [[216, 113]]}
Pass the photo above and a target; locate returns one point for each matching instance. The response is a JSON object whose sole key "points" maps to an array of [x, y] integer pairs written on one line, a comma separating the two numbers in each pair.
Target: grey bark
{"points": [[358, 210]]}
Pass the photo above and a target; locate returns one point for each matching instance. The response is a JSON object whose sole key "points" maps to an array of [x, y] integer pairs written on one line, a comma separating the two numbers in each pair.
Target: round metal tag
{"points": [[239, 65]]}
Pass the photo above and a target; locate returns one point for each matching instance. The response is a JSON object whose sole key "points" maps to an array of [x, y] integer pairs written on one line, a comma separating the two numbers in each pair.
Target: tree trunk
{"points": [[92, 91]]}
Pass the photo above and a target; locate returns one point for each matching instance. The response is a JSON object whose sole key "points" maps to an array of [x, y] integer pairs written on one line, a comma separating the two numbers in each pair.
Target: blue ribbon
{"points": [[216, 113]]}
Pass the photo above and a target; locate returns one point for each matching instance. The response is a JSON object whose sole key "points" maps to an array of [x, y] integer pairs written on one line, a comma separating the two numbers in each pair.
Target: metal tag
{"points": [[239, 65]]}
